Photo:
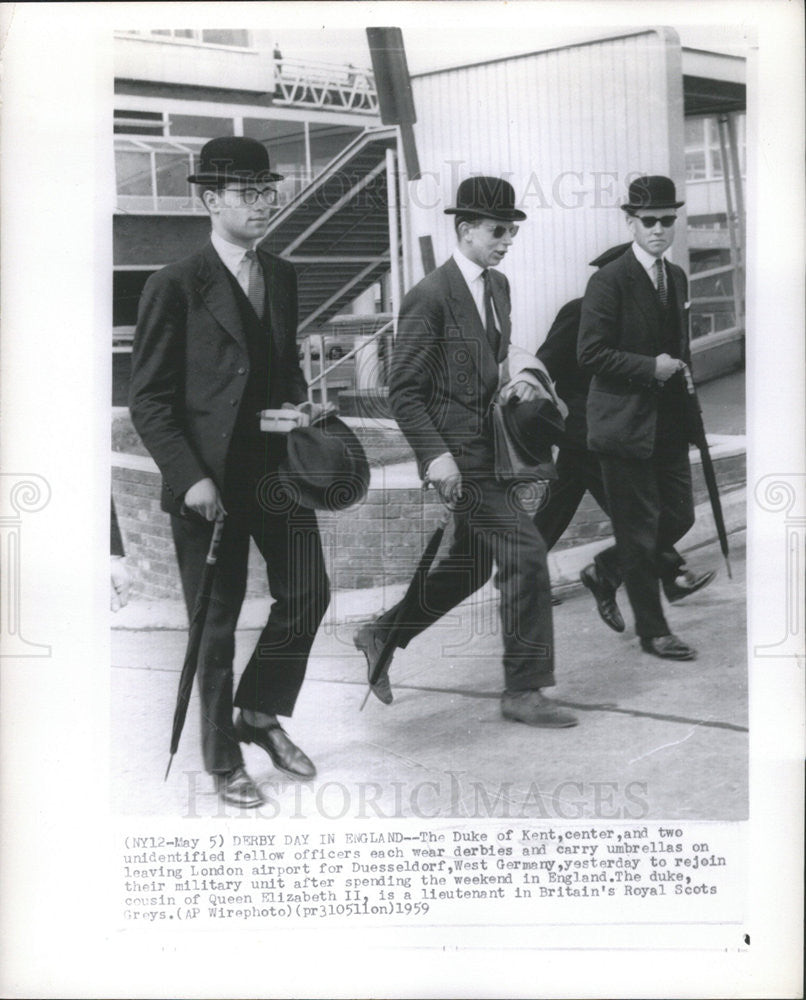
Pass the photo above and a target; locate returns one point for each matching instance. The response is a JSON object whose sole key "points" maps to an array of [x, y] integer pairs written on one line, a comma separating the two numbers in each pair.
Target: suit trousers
{"points": [[651, 507], [579, 471], [491, 527], [287, 537]]}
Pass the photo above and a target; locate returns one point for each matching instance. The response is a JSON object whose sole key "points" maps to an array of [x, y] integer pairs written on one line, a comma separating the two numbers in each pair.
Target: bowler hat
{"points": [[533, 427], [651, 192], [610, 255], [325, 466], [489, 197], [233, 158]]}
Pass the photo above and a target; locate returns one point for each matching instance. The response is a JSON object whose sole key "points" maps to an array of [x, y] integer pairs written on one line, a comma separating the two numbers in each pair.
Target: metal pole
{"points": [[308, 168], [307, 368], [734, 248], [405, 221], [323, 385], [394, 236], [737, 187]]}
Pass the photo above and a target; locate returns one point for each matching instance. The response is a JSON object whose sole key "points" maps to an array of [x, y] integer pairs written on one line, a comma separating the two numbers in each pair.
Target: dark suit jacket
{"points": [[558, 352], [621, 333], [444, 373], [190, 364]]}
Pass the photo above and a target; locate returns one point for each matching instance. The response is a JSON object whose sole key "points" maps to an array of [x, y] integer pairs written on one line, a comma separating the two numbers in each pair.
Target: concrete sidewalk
{"points": [[656, 739]]}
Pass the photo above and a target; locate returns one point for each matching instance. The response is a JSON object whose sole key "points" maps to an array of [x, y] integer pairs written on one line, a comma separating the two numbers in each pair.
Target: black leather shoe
{"points": [[369, 639], [285, 755], [686, 584], [668, 647], [237, 788], [605, 597]]}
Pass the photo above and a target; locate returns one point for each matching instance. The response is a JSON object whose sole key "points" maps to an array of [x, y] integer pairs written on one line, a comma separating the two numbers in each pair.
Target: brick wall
{"points": [[377, 543]]}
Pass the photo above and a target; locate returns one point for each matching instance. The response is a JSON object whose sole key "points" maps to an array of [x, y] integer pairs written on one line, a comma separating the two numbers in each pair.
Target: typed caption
{"points": [[512, 873]]}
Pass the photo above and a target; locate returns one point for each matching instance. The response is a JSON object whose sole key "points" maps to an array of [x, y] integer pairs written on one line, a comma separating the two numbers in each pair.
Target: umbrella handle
{"points": [[215, 541], [448, 509]]}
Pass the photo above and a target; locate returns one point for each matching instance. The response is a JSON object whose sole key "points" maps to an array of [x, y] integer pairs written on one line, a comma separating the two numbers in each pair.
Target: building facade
{"points": [[174, 90], [570, 126]]}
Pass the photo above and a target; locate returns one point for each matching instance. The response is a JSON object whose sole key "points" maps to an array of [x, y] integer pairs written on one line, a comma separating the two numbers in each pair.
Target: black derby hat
{"points": [[233, 158], [533, 427], [325, 467], [651, 192], [489, 197]]}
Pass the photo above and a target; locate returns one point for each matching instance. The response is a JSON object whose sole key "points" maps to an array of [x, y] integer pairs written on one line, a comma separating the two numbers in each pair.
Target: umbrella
{"points": [[408, 601], [698, 436], [194, 639]]}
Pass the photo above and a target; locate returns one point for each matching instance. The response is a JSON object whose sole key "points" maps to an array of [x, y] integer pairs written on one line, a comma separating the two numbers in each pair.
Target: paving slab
{"points": [[656, 739]]}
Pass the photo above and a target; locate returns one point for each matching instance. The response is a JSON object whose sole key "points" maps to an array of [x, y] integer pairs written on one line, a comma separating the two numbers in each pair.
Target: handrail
{"points": [[325, 85], [325, 372], [350, 354]]}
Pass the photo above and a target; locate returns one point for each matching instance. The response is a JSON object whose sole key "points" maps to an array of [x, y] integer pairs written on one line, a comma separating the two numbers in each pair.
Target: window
{"points": [[285, 141], [199, 125], [154, 153], [703, 149], [138, 122], [216, 37], [328, 141], [127, 286], [152, 175], [713, 292], [234, 38]]}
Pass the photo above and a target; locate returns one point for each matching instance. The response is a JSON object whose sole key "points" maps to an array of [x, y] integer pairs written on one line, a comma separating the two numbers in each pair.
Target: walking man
{"points": [[579, 471], [634, 339], [215, 344], [453, 334]]}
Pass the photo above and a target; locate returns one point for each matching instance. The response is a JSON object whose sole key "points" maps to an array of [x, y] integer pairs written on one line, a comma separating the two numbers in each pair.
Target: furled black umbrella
{"points": [[697, 430], [409, 599], [197, 620]]}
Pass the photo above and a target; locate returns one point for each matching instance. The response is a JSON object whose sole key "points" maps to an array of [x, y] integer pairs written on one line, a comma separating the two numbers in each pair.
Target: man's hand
{"points": [[666, 366], [203, 498], [523, 391], [313, 411], [120, 584], [444, 473]]}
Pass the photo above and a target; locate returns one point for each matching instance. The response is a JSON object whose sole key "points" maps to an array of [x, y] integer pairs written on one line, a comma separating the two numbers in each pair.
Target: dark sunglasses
{"points": [[499, 231], [650, 221]]}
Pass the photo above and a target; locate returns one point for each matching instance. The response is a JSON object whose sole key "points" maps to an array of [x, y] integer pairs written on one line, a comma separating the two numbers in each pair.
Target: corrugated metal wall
{"points": [[567, 127]]}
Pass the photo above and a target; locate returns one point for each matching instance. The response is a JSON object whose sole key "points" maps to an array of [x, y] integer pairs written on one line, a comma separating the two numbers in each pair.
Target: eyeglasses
{"points": [[251, 196], [650, 221], [499, 231]]}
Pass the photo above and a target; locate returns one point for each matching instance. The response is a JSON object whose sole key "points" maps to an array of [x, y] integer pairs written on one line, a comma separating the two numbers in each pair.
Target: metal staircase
{"points": [[336, 231]]}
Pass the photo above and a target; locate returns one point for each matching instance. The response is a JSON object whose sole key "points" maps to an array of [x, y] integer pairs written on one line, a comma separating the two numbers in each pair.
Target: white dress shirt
{"points": [[472, 274], [234, 259], [647, 262]]}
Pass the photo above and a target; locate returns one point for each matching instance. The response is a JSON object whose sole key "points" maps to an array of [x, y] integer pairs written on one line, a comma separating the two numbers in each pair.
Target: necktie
{"points": [[489, 314], [256, 287], [660, 278]]}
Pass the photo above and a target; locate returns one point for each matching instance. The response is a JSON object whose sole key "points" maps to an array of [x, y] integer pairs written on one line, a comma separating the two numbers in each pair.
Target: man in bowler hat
{"points": [[579, 471], [452, 352], [215, 344], [634, 339]]}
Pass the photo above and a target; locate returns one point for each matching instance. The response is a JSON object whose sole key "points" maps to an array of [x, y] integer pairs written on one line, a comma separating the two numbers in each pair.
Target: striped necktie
{"points": [[489, 313], [256, 285], [660, 280]]}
